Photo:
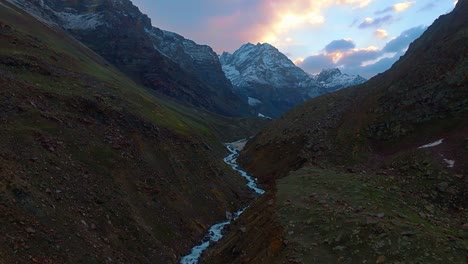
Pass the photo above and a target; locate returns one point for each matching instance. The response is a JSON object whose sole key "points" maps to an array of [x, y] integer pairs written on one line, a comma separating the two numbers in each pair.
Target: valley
{"points": [[113, 145]]}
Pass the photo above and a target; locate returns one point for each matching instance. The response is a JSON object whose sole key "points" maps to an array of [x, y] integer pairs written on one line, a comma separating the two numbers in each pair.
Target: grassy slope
{"points": [[93, 167], [331, 216]]}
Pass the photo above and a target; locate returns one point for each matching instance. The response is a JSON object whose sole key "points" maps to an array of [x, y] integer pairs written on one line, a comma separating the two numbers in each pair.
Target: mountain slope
{"points": [[375, 173], [94, 168], [389, 112], [200, 60], [271, 83], [120, 33]]}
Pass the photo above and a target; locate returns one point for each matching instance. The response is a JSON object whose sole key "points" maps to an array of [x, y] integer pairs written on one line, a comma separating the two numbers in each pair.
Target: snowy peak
{"points": [[267, 80], [326, 74], [333, 79], [261, 63], [271, 83]]}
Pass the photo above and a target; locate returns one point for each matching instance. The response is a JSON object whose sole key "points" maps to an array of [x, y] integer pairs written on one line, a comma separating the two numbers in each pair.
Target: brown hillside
{"points": [[94, 168]]}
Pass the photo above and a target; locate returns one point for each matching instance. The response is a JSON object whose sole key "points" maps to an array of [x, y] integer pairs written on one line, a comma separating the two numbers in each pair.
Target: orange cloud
{"points": [[298, 61], [337, 56], [286, 15], [400, 7], [271, 21], [381, 33]]}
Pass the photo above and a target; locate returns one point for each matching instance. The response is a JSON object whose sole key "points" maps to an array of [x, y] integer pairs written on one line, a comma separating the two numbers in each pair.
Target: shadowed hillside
{"points": [[94, 168]]}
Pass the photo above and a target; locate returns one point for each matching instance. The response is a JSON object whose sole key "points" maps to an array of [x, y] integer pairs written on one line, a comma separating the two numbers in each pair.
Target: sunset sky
{"points": [[359, 36]]}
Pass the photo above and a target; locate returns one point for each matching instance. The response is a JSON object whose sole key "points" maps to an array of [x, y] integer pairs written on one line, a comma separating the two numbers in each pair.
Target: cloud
{"points": [[371, 70], [359, 3], [427, 7], [251, 20], [381, 33], [385, 10], [340, 45], [364, 61], [357, 57], [282, 16], [316, 63], [398, 7], [369, 22], [401, 42]]}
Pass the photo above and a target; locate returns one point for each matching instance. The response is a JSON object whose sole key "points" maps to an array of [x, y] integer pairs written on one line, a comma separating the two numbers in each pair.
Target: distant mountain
{"points": [[271, 83], [332, 79], [119, 32]]}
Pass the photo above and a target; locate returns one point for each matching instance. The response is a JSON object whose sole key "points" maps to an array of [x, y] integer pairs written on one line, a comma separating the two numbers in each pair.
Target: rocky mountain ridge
{"points": [[272, 83], [119, 32], [192, 57]]}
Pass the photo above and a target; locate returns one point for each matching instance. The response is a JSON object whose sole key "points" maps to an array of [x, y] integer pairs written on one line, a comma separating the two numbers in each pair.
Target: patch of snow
{"points": [[264, 116], [80, 21], [433, 144], [450, 163], [231, 72], [253, 101]]}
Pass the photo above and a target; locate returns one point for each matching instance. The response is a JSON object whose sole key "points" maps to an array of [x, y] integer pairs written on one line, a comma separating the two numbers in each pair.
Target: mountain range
{"points": [[113, 146], [272, 84], [268, 83]]}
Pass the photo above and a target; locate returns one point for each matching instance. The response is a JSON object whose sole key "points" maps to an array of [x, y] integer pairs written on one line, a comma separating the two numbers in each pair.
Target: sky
{"points": [[358, 36]]}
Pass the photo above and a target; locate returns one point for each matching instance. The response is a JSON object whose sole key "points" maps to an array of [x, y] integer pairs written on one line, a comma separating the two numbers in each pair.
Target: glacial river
{"points": [[215, 233]]}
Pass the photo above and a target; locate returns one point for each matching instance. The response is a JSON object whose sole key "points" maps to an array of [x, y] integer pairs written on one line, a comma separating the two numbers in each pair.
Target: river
{"points": [[215, 233]]}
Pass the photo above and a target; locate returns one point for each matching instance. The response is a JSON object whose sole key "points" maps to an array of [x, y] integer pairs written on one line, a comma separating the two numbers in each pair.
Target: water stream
{"points": [[215, 233]]}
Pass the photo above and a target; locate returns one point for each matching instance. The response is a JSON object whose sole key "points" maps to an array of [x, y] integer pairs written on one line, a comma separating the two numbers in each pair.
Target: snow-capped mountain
{"points": [[271, 83], [333, 79], [261, 63], [266, 78]]}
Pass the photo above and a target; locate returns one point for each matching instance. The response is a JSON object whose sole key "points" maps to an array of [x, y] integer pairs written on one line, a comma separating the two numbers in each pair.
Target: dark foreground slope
{"points": [[93, 168], [351, 183]]}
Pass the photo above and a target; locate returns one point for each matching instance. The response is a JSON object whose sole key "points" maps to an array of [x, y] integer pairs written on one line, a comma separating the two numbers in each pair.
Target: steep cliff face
{"points": [[120, 33], [192, 57]]}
